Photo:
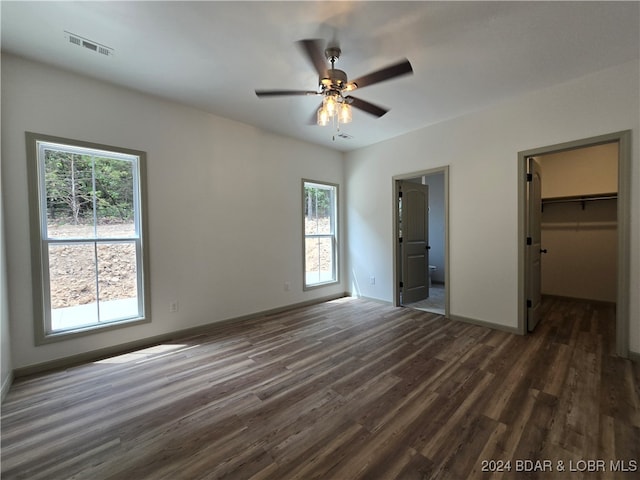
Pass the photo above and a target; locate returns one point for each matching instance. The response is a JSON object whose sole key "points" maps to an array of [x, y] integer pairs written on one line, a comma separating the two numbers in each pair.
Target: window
{"points": [[320, 237], [87, 236]]}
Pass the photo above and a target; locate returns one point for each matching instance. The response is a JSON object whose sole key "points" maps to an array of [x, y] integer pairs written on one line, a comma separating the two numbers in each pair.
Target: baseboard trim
{"points": [[371, 299], [577, 299], [95, 355], [482, 323], [6, 385]]}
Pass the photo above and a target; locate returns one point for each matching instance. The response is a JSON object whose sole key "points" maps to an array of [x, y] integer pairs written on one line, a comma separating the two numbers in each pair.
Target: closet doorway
{"points": [[574, 212], [430, 265]]}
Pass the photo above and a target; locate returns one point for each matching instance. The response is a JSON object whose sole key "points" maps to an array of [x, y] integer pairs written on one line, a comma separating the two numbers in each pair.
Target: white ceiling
{"points": [[213, 55]]}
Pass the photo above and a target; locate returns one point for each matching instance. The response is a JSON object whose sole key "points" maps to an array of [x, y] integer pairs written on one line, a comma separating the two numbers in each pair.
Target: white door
{"points": [[414, 240], [534, 247]]}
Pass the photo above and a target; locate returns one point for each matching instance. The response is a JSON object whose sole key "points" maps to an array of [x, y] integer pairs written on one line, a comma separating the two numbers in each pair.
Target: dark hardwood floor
{"points": [[342, 390]]}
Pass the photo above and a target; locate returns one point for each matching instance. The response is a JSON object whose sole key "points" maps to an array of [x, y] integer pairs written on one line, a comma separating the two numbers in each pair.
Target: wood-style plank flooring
{"points": [[347, 389]]}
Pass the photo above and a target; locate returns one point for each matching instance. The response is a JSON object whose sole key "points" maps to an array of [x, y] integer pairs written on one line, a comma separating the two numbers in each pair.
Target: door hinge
{"points": [[529, 304], [400, 194], [529, 177], [400, 239], [401, 284], [529, 241]]}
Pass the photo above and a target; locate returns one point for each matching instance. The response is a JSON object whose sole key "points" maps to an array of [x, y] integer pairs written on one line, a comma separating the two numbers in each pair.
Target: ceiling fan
{"points": [[333, 84]]}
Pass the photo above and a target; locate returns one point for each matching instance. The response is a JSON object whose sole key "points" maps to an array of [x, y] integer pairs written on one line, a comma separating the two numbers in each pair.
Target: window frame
{"points": [[334, 236], [40, 241]]}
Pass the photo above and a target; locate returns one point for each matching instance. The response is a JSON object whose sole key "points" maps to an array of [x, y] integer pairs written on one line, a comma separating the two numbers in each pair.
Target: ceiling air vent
{"points": [[89, 44]]}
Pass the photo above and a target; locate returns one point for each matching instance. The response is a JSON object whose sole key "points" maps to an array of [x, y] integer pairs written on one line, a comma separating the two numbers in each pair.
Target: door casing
{"points": [[623, 138], [396, 251]]}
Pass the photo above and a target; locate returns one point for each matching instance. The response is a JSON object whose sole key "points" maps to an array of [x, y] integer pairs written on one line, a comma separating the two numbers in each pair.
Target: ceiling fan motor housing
{"points": [[334, 80]]}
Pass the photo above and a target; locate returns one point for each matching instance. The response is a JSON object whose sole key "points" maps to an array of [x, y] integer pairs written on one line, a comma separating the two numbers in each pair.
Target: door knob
{"points": [[543, 250]]}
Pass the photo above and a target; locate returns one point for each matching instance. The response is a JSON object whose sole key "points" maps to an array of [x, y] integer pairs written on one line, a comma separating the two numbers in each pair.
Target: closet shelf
{"points": [[580, 198]]}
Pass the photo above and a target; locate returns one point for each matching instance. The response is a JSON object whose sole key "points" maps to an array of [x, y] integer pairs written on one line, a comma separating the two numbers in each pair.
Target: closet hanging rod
{"points": [[580, 198]]}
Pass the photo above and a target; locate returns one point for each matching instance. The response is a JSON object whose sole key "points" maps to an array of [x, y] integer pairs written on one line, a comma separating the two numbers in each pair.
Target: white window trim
{"points": [[40, 241]]}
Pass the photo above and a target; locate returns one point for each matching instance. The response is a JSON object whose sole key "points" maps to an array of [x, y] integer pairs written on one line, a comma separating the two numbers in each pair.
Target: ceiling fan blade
{"points": [[280, 93], [392, 71], [314, 51], [366, 106]]}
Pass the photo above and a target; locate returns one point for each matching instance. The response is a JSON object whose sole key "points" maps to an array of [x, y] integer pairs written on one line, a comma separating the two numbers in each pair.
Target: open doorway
{"points": [[574, 212], [421, 257]]}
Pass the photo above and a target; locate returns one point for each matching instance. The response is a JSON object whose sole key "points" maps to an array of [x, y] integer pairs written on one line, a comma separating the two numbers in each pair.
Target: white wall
{"points": [[224, 203], [6, 364], [481, 149]]}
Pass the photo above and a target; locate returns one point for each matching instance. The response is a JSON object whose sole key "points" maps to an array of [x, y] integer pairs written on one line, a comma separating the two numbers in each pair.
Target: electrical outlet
{"points": [[287, 286], [173, 306], [372, 280]]}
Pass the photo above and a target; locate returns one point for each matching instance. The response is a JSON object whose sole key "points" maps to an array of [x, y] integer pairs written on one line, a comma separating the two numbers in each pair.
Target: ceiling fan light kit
{"points": [[333, 84], [334, 107]]}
